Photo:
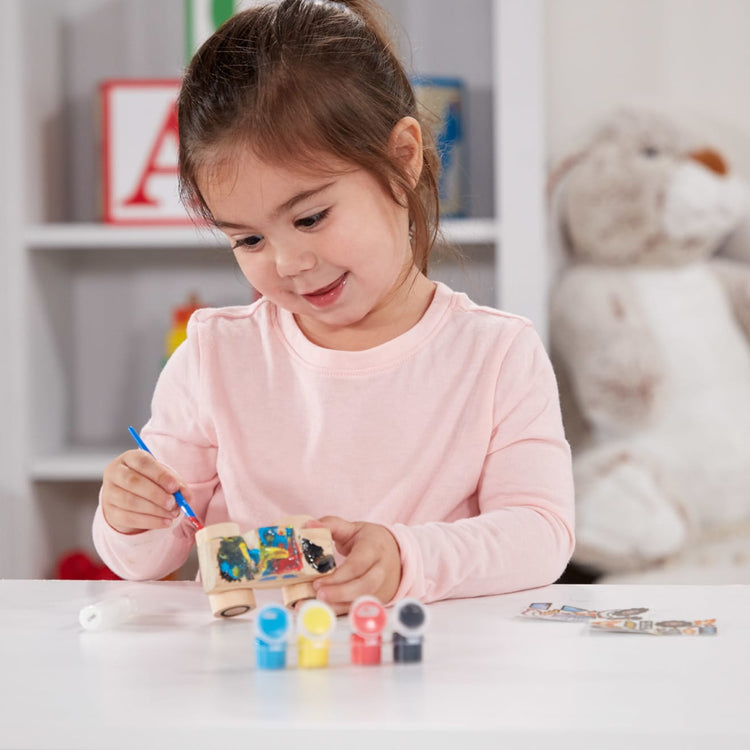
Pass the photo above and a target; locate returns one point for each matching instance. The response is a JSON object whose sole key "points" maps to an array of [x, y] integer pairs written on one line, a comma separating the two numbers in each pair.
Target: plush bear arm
{"points": [[735, 277], [601, 337]]}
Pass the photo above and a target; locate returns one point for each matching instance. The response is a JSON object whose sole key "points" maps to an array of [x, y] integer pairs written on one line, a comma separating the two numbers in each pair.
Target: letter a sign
{"points": [[139, 139]]}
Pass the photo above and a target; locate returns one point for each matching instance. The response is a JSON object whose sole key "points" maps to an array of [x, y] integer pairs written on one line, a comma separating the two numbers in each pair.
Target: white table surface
{"points": [[174, 677]]}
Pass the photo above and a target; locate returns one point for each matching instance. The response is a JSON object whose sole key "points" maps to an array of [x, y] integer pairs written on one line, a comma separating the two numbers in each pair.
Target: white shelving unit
{"points": [[87, 305], [68, 236]]}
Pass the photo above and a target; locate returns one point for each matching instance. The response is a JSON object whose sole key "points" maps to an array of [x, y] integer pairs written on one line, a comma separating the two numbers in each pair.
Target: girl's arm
{"points": [[180, 440], [523, 536]]}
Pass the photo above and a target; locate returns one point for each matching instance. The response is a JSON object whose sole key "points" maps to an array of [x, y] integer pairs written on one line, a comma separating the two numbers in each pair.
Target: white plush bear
{"points": [[650, 334]]}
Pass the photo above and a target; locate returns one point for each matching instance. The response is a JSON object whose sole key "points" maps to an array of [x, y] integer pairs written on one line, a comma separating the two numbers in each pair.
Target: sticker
{"points": [[660, 627], [570, 613]]}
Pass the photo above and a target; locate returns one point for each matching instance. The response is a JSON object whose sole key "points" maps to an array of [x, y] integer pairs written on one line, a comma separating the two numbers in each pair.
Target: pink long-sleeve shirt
{"points": [[450, 435]]}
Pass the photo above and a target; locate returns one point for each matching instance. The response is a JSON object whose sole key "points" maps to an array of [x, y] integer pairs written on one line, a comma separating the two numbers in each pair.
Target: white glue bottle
{"points": [[108, 613]]}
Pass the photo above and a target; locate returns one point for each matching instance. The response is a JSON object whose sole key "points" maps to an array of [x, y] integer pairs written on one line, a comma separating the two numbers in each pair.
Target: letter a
{"points": [[168, 129]]}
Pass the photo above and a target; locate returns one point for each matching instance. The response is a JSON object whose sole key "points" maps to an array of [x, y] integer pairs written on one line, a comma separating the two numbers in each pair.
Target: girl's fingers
{"points": [[129, 481], [135, 493], [140, 498], [344, 533], [146, 465], [345, 593], [373, 564], [340, 609], [139, 463], [129, 502], [128, 522], [354, 566], [128, 513]]}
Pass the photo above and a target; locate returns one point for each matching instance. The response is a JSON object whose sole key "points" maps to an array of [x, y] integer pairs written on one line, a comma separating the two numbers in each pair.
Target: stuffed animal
{"points": [[650, 336]]}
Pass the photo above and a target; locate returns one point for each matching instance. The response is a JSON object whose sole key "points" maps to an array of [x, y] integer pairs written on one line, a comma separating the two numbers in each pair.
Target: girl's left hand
{"points": [[372, 565]]}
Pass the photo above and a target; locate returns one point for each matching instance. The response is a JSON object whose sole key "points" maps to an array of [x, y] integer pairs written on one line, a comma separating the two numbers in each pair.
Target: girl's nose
{"points": [[293, 259]]}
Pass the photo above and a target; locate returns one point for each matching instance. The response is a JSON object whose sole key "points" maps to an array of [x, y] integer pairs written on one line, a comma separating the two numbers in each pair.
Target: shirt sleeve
{"points": [[180, 436], [523, 536]]}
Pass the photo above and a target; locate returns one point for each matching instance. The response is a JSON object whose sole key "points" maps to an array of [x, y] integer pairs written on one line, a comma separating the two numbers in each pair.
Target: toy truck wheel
{"points": [[297, 592], [232, 603]]}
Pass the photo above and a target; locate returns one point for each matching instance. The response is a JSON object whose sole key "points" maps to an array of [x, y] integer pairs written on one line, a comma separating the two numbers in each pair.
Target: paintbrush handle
{"points": [[184, 507]]}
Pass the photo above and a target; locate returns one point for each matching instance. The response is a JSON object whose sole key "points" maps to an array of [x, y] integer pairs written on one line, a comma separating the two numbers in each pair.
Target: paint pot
{"points": [[409, 622], [367, 619], [273, 625], [315, 623]]}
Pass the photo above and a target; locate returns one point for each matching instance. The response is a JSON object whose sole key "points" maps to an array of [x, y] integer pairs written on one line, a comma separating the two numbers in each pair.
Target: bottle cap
{"points": [[367, 616], [316, 620], [273, 623], [409, 618]]}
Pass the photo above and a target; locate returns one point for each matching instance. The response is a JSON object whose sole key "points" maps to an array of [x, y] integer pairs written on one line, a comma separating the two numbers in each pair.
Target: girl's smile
{"points": [[331, 247], [327, 295]]}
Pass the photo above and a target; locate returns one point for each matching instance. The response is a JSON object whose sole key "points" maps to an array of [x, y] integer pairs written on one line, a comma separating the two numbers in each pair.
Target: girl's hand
{"points": [[372, 565], [137, 493]]}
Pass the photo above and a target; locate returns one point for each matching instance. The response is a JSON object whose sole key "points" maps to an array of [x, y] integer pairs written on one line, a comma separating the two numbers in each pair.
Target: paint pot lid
{"points": [[367, 616], [272, 623], [316, 619], [409, 617]]}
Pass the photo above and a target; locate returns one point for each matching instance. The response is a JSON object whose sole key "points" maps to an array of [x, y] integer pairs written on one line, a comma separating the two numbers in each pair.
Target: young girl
{"points": [[423, 430]]}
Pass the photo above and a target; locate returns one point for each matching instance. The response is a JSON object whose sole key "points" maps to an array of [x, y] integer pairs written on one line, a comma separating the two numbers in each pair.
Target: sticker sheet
{"points": [[653, 627], [569, 613], [627, 620]]}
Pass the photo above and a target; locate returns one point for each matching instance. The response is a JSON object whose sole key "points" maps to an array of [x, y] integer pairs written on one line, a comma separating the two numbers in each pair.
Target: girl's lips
{"points": [[327, 295]]}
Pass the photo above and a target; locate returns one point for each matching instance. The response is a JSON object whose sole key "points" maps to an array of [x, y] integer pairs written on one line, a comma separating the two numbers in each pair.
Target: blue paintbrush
{"points": [[184, 507]]}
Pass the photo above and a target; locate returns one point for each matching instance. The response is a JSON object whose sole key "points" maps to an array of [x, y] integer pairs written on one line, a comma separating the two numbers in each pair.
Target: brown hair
{"points": [[298, 78]]}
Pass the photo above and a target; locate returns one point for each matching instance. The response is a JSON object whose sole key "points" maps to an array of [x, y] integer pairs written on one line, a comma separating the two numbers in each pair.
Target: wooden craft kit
{"points": [[287, 556], [290, 556]]}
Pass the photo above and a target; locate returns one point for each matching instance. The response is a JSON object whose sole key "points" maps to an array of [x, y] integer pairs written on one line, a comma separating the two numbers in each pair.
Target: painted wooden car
{"points": [[287, 556]]}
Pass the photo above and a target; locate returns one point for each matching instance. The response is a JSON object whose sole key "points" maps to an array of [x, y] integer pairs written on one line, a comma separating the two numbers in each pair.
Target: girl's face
{"points": [[332, 248]]}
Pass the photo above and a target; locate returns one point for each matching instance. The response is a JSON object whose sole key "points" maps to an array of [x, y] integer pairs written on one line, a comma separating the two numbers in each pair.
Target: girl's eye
{"points": [[250, 242], [310, 221]]}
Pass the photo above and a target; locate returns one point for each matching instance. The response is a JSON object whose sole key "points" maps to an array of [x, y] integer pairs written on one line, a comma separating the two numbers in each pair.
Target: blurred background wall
{"points": [[693, 55]]}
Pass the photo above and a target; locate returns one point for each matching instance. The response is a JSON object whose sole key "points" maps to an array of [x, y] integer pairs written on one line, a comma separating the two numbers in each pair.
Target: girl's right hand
{"points": [[137, 493]]}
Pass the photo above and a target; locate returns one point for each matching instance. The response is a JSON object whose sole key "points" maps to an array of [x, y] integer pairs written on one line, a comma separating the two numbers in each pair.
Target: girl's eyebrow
{"points": [[283, 208]]}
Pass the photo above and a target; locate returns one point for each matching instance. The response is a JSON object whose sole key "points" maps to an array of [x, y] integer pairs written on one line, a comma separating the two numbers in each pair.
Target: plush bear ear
{"points": [[560, 170], [557, 233]]}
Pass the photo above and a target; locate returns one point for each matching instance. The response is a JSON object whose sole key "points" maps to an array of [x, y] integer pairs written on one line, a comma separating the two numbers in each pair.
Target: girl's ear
{"points": [[405, 144]]}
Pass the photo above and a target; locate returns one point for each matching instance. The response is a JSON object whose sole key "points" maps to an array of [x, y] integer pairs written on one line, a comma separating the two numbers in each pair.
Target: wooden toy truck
{"points": [[285, 556]]}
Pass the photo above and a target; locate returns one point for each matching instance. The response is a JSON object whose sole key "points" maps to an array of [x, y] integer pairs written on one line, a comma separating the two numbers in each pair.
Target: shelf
{"points": [[471, 231], [74, 465], [73, 236], [81, 236]]}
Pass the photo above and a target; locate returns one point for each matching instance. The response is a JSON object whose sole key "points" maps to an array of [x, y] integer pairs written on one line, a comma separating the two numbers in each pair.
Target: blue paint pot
{"points": [[273, 625]]}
